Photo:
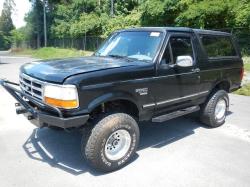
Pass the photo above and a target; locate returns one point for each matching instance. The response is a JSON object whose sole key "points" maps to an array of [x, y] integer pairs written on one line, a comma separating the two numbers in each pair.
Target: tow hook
{"points": [[21, 110], [31, 117]]}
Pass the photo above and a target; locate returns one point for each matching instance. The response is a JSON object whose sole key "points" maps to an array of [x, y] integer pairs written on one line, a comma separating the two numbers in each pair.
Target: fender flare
{"points": [[221, 81], [112, 97]]}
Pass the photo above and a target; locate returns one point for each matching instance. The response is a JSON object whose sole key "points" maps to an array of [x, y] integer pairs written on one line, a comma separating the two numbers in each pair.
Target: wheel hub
{"points": [[220, 109], [117, 144]]}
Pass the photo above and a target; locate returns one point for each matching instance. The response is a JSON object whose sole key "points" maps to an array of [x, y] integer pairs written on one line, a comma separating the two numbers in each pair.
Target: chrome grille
{"points": [[31, 86]]}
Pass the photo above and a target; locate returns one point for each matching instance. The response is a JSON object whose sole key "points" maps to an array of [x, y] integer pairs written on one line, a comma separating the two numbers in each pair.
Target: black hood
{"points": [[58, 70]]}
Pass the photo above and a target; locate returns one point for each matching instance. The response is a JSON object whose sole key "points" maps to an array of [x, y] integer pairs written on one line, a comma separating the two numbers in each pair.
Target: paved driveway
{"points": [[179, 152]]}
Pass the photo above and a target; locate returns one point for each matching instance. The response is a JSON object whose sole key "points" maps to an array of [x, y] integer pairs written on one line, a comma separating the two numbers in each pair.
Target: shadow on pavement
{"points": [[59, 149], [62, 150]]}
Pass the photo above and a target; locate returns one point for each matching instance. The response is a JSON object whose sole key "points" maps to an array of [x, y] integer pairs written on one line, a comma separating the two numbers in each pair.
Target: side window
{"points": [[218, 46], [166, 58], [181, 46]]}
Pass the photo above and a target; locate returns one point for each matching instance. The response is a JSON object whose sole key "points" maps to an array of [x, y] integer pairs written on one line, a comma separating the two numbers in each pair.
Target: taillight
{"points": [[241, 73]]}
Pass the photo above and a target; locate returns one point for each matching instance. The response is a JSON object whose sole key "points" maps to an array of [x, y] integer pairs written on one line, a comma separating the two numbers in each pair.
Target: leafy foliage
{"points": [[34, 21], [75, 18], [4, 41], [6, 24], [242, 14], [159, 13], [120, 22], [17, 36]]}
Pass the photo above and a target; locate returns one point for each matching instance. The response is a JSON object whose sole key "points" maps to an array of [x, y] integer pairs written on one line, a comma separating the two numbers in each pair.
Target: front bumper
{"points": [[38, 112]]}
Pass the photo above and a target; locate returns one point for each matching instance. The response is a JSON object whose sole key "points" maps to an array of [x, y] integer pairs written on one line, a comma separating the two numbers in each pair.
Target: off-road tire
{"points": [[94, 140], [207, 113]]}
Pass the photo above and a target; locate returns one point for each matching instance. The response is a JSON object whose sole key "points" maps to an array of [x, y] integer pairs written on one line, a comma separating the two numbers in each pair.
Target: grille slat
{"points": [[31, 86]]}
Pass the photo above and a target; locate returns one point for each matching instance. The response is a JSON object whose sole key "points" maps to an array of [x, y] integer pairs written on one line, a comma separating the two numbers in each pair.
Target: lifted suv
{"points": [[136, 75]]}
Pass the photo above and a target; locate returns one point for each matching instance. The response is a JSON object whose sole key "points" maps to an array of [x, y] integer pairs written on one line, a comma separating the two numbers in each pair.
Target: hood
{"points": [[58, 70]]}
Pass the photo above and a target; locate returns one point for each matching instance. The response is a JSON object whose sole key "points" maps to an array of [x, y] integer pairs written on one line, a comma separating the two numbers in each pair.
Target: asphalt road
{"points": [[180, 152]]}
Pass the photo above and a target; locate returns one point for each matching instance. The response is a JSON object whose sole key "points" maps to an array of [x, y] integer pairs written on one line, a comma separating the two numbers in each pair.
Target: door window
{"points": [[166, 58], [181, 46]]}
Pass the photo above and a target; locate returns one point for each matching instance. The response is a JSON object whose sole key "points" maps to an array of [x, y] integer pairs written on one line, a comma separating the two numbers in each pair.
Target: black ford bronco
{"points": [[138, 74]]}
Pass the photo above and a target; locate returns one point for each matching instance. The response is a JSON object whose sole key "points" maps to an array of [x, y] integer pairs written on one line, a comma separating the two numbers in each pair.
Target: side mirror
{"points": [[184, 61]]}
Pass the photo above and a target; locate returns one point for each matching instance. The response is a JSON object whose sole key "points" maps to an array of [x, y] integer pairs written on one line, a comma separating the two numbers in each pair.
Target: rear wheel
{"points": [[112, 142], [213, 112]]}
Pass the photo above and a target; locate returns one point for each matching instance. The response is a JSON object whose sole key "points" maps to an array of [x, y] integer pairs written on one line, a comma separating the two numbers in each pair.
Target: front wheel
{"points": [[213, 112], [112, 142]]}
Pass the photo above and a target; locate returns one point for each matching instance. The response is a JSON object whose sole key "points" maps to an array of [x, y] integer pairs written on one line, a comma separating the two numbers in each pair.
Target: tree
{"points": [[4, 41], [34, 21], [120, 22], [207, 14], [242, 14], [214, 14], [6, 24], [76, 18], [18, 36]]}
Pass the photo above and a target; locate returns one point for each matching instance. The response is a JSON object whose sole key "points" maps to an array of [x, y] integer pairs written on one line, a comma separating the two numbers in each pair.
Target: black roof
{"points": [[178, 29], [203, 31]]}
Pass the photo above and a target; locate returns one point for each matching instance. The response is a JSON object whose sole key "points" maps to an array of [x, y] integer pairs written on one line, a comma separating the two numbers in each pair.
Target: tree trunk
{"points": [[38, 44]]}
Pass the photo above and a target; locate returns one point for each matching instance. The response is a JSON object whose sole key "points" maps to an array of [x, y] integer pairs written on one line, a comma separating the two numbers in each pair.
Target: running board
{"points": [[175, 114]]}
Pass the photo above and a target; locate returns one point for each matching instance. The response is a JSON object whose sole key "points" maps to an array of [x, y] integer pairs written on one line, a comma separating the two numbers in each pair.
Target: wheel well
{"points": [[224, 85], [120, 105]]}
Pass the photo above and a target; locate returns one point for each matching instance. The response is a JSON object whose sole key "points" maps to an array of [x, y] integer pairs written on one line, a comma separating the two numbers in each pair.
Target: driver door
{"points": [[178, 84], [188, 77]]}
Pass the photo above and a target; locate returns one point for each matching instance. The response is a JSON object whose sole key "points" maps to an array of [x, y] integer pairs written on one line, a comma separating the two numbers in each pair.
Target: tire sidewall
{"points": [[119, 121], [220, 95], [132, 147]]}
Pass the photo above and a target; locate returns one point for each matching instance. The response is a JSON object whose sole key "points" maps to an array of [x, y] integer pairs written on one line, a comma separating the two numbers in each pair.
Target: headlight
{"points": [[61, 96]]}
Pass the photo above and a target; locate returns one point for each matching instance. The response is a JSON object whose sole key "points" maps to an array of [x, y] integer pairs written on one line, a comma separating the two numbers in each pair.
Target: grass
{"points": [[52, 52], [246, 60], [247, 67], [245, 90]]}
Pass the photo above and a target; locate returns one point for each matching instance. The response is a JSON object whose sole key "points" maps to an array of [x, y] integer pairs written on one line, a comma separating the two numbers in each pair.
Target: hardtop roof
{"points": [[178, 29]]}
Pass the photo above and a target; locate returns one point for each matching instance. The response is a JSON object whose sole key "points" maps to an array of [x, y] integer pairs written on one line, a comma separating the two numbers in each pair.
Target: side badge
{"points": [[142, 91]]}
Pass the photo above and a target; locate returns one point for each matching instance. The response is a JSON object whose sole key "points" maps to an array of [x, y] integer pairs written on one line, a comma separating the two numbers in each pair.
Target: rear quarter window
{"points": [[218, 46]]}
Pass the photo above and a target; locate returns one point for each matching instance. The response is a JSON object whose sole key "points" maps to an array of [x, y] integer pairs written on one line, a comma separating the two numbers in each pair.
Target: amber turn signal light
{"points": [[67, 104]]}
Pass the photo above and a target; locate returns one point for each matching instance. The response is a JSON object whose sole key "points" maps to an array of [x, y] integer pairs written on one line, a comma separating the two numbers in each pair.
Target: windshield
{"points": [[140, 45]]}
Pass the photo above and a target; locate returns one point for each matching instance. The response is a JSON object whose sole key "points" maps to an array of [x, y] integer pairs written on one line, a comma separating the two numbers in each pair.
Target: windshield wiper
{"points": [[122, 57], [117, 56]]}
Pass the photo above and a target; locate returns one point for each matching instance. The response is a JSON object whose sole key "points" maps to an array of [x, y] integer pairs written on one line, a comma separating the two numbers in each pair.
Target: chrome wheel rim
{"points": [[118, 144], [220, 109]]}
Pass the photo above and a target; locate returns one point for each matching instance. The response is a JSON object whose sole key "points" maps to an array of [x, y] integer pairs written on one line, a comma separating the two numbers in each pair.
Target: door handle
{"points": [[196, 70]]}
